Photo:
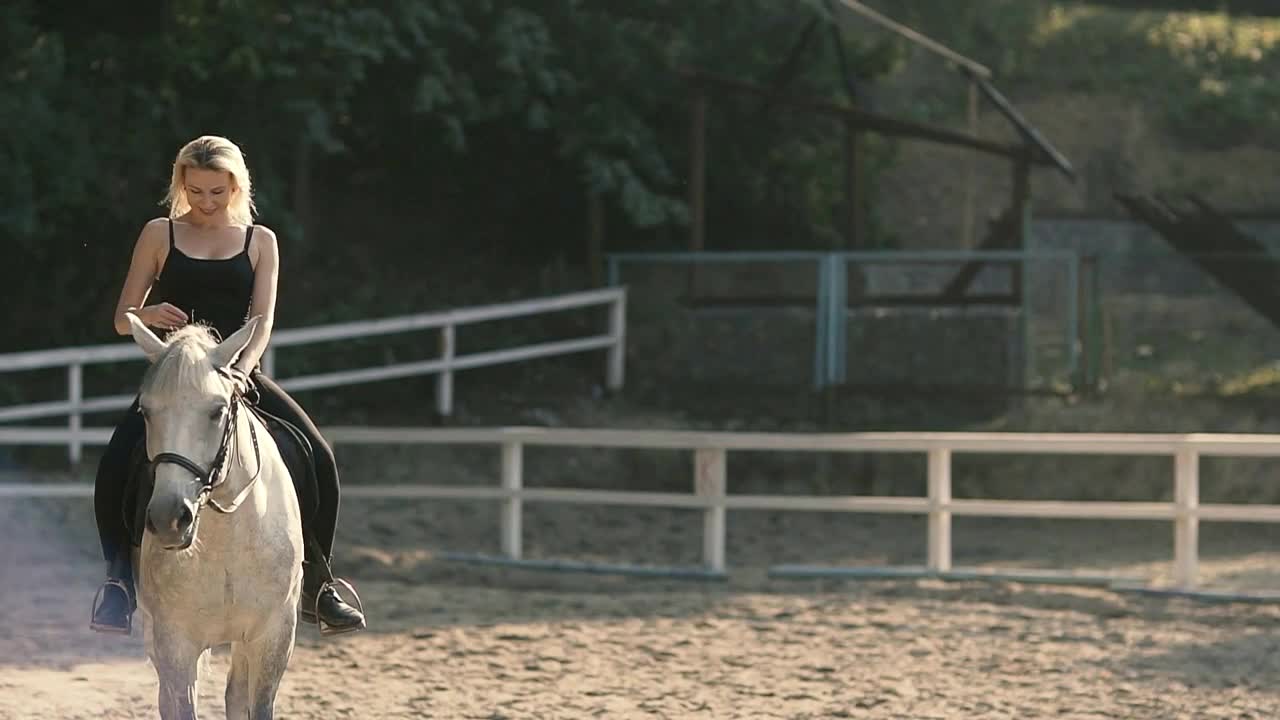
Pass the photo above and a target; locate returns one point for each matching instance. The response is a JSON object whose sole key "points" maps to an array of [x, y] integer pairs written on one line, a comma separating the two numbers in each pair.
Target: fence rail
{"points": [[449, 362], [710, 481], [831, 301]]}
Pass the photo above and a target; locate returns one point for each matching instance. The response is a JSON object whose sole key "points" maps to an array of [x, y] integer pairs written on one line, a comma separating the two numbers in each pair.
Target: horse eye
{"points": [[217, 413]]}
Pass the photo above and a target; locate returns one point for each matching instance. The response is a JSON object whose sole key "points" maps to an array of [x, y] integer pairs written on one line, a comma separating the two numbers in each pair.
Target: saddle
{"points": [[295, 450]]}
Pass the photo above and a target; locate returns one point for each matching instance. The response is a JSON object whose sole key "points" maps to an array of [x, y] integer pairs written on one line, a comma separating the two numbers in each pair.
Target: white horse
{"points": [[228, 576]]}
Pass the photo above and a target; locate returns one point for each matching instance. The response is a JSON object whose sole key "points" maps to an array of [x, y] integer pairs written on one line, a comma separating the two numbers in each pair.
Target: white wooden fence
{"points": [[710, 485], [445, 365]]}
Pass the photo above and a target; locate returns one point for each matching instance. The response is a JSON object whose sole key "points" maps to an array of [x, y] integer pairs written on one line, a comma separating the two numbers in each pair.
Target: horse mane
{"points": [[184, 364]]}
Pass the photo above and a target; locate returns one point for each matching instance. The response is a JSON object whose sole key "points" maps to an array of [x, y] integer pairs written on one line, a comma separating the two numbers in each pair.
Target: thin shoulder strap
{"points": [[170, 233], [248, 235]]}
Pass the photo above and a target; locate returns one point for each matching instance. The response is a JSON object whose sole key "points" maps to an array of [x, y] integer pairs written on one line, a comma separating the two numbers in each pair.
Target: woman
{"points": [[207, 262]]}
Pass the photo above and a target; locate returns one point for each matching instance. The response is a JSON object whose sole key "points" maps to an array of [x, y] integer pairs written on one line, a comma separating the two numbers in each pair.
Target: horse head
{"points": [[188, 401]]}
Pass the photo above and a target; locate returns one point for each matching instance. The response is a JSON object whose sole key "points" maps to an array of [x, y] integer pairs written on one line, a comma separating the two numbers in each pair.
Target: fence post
{"points": [[75, 420], [614, 275], [1074, 304], [821, 318], [616, 371], [835, 302], [837, 326], [709, 483], [1026, 367], [513, 480], [269, 362], [939, 556], [1091, 333], [444, 381], [1186, 532]]}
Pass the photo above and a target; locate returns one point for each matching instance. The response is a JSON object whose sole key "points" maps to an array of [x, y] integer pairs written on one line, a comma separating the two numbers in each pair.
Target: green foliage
{"points": [[494, 116], [1232, 63], [1207, 74], [492, 121]]}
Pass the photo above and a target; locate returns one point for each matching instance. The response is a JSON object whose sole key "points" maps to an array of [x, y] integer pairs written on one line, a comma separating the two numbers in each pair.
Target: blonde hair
{"points": [[211, 152]]}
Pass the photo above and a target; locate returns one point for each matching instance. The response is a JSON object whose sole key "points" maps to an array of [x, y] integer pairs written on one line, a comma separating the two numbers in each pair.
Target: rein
{"points": [[215, 475]]}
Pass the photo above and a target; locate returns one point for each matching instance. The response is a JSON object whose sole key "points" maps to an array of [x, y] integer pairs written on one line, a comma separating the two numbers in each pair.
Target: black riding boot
{"points": [[115, 601], [321, 603]]}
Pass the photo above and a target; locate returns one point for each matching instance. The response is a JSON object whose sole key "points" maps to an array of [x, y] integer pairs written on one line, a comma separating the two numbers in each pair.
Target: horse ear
{"points": [[228, 350], [151, 345]]}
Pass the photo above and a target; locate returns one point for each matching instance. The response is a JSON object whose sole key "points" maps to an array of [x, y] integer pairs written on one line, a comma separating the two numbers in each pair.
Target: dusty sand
{"points": [[454, 641]]}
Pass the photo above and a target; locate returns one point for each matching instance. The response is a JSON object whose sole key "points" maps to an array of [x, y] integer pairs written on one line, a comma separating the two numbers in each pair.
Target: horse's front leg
{"points": [[264, 661], [238, 698], [176, 660]]}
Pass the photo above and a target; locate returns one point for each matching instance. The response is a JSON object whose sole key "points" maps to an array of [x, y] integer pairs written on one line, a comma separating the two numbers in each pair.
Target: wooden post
{"points": [[616, 363], [939, 555], [513, 480], [1186, 533], [1080, 343], [1020, 203], [444, 381], [709, 466], [1094, 338], [697, 182], [1106, 361], [970, 192], [1089, 325], [852, 160], [698, 171], [75, 419], [1021, 198]]}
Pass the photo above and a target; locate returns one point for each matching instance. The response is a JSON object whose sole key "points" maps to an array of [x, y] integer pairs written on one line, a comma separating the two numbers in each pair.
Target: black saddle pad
{"points": [[294, 447]]}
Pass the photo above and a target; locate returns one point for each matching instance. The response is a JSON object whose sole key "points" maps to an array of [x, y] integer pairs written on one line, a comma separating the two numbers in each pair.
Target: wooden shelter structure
{"points": [[1008, 232]]}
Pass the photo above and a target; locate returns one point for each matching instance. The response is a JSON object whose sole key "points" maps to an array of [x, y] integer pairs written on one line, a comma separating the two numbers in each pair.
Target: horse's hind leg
{"points": [[265, 660]]}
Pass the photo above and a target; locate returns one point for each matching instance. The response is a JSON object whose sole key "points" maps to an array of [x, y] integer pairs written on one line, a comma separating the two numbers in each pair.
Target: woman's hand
{"points": [[163, 315]]}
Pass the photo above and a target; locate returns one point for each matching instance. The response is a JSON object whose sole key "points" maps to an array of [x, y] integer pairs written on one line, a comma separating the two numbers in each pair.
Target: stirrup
{"points": [[314, 611], [97, 600]]}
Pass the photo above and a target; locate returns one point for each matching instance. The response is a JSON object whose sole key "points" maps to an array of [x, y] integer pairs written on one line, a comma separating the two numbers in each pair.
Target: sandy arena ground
{"points": [[455, 641]]}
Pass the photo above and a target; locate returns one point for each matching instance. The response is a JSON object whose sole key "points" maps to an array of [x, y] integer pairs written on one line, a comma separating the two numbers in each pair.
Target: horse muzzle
{"points": [[172, 522]]}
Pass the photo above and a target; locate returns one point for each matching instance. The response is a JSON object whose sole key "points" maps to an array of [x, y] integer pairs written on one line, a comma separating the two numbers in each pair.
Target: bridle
{"points": [[212, 477]]}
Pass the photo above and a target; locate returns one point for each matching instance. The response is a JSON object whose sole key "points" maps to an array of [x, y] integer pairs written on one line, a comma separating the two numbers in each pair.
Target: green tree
{"points": [[487, 115]]}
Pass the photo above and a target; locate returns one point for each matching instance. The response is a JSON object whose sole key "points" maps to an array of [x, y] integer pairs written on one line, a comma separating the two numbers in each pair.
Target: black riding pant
{"points": [[319, 504]]}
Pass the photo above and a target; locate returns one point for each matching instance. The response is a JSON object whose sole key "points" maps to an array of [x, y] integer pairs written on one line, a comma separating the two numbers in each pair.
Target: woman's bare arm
{"points": [[143, 268], [263, 305]]}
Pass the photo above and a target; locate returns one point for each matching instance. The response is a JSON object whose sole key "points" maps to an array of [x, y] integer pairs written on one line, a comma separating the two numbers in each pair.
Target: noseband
{"points": [[215, 475]]}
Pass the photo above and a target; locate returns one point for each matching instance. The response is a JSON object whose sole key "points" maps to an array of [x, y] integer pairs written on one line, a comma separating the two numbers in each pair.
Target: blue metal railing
{"points": [[831, 308]]}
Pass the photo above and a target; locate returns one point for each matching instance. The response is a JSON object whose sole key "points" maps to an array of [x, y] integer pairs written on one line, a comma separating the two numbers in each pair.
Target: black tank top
{"points": [[215, 292]]}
